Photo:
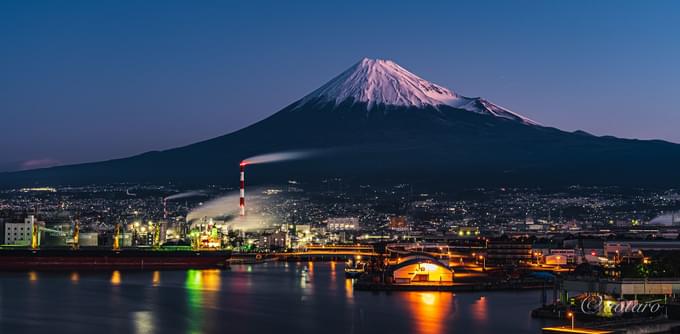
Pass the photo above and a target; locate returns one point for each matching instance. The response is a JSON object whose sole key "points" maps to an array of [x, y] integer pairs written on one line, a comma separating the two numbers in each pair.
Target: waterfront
{"points": [[285, 297]]}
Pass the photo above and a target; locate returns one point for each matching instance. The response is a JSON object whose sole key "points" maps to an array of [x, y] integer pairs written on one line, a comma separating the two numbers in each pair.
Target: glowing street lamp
{"points": [[571, 315]]}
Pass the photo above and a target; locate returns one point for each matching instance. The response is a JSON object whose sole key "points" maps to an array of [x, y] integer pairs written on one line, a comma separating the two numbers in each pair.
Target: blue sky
{"points": [[91, 80]]}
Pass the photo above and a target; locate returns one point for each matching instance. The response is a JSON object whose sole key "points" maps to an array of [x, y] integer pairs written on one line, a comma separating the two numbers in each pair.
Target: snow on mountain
{"points": [[383, 82]]}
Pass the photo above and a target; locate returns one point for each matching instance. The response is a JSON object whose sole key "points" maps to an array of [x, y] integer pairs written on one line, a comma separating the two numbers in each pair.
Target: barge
{"points": [[134, 258]]}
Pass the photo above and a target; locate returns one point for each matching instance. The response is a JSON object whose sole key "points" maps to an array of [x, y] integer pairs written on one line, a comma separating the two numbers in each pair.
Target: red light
{"points": [[243, 163]]}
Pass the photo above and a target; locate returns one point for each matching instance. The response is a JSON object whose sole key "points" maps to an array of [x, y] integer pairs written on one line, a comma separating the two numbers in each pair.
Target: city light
{"points": [[378, 201]]}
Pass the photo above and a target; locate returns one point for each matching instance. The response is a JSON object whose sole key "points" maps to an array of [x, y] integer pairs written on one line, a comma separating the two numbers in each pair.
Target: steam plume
{"points": [[223, 209], [278, 157], [184, 195]]}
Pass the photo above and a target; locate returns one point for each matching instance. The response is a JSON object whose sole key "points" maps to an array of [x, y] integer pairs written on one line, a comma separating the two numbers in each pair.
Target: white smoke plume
{"points": [[279, 156], [225, 209], [185, 195]]}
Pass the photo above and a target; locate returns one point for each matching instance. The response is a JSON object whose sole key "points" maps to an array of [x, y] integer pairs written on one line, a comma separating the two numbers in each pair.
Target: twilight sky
{"points": [[92, 80]]}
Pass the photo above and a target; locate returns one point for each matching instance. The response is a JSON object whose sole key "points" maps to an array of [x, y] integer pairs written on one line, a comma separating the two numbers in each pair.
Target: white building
{"points": [[20, 233], [568, 255], [617, 249]]}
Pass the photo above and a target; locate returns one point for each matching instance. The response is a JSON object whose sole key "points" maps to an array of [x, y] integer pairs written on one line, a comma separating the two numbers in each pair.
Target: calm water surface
{"points": [[282, 297]]}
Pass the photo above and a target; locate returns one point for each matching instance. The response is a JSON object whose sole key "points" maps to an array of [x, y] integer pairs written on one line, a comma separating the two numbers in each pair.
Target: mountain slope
{"points": [[377, 124]]}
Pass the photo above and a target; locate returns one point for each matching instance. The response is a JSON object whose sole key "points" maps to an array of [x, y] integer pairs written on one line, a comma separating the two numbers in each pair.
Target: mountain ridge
{"points": [[435, 145]]}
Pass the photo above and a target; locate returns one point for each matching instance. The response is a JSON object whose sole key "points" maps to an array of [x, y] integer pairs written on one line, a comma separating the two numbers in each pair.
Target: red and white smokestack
{"points": [[165, 209], [242, 198]]}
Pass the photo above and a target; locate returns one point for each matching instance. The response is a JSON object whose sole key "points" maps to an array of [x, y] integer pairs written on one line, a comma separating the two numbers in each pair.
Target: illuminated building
{"points": [[555, 259], [562, 256], [466, 232], [616, 250], [342, 224], [398, 223], [276, 240], [421, 268]]}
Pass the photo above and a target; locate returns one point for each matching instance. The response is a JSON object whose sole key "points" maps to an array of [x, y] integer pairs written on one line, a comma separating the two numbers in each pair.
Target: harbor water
{"points": [[305, 297]]}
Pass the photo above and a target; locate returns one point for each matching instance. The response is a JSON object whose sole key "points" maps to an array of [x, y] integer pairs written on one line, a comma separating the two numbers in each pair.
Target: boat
{"points": [[99, 258], [354, 269]]}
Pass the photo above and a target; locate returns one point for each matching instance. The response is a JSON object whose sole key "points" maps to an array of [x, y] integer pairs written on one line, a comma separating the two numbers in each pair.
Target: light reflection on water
{"points": [[429, 310], [32, 276], [75, 277], [349, 289], [143, 322], [479, 310], [156, 278], [115, 278], [282, 297]]}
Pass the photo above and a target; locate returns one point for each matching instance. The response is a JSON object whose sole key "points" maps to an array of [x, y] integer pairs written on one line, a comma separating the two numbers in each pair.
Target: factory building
{"points": [[617, 249], [20, 233], [508, 252], [562, 256], [555, 259], [273, 241]]}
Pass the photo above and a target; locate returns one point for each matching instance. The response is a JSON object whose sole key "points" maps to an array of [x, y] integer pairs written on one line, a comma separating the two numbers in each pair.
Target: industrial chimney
{"points": [[242, 197]]}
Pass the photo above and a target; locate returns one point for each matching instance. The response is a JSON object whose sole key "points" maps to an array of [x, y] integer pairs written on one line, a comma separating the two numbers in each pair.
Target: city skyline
{"points": [[339, 167], [108, 80]]}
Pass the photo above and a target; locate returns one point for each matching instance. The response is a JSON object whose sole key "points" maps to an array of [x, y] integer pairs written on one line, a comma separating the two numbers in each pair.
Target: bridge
{"points": [[330, 252]]}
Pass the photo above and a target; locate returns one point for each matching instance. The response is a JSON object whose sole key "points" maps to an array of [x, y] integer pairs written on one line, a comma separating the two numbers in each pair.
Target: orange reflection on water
{"points": [[211, 279], [480, 310], [115, 278], [333, 274], [156, 278], [75, 277], [32, 276], [429, 310], [202, 286], [349, 288]]}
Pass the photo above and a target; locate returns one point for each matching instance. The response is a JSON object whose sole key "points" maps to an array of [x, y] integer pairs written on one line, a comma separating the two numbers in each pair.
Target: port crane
{"points": [[116, 237], [37, 228]]}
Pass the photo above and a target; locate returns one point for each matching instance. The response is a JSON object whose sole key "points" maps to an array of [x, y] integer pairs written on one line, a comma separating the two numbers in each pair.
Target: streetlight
{"points": [[481, 257], [571, 315]]}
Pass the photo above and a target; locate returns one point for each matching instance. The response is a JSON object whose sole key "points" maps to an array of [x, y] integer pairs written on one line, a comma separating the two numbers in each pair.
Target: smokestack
{"points": [[165, 209], [242, 198]]}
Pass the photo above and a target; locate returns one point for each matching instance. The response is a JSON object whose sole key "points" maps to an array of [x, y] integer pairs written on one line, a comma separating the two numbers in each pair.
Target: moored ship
{"points": [[355, 268], [133, 258], [35, 257]]}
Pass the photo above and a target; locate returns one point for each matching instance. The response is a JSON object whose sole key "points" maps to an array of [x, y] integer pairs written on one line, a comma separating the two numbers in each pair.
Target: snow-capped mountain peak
{"points": [[377, 81], [383, 82]]}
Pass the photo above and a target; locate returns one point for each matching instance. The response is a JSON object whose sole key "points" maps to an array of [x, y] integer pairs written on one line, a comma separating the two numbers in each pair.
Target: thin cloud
{"points": [[39, 163]]}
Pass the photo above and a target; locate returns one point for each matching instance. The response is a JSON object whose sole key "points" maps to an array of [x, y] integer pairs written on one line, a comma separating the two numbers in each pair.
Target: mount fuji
{"points": [[379, 123], [377, 82]]}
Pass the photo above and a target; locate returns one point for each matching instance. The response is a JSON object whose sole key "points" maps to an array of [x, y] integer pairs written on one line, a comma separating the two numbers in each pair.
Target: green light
{"points": [[194, 300]]}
